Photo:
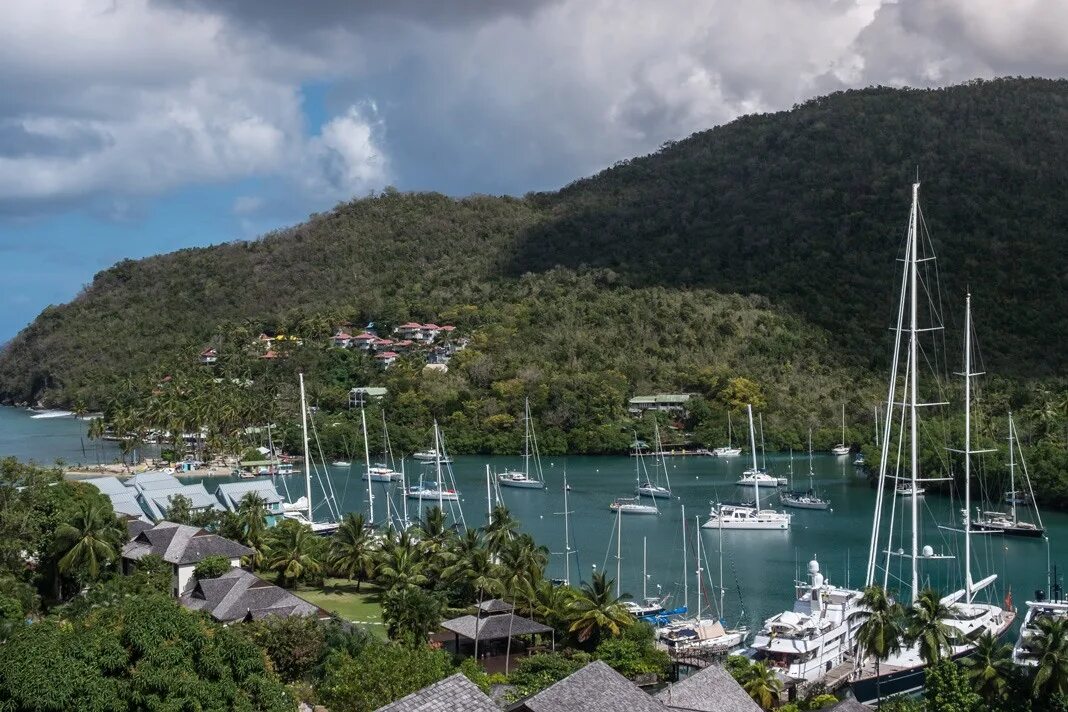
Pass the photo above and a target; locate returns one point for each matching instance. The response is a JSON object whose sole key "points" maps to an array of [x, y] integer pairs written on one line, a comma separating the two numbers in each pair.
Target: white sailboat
{"points": [[728, 450], [384, 471], [437, 491], [308, 517], [652, 487], [841, 449], [904, 671], [737, 516], [524, 479], [809, 499], [1009, 523]]}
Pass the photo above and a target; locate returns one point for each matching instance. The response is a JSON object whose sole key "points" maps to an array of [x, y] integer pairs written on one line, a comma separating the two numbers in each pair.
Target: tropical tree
{"points": [[989, 667], [351, 550], [401, 567], [501, 529], [1050, 646], [925, 625], [880, 635], [596, 610], [90, 538], [292, 552], [252, 524], [761, 684], [411, 615]]}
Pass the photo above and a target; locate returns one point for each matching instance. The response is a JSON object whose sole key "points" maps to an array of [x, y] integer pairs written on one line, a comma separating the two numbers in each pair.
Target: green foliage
{"points": [[294, 553], [212, 566], [411, 615], [537, 672], [946, 689], [634, 653], [596, 612], [145, 652], [379, 674], [295, 645]]}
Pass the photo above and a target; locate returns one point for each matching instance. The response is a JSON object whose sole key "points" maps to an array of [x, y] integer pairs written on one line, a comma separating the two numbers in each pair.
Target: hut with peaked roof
{"points": [[453, 693], [713, 689], [594, 687], [487, 632]]}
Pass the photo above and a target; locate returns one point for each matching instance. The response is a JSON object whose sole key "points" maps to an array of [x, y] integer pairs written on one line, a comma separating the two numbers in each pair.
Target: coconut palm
{"points": [[401, 567], [291, 552], [989, 667], [596, 610], [925, 625], [91, 538], [1050, 646], [502, 528], [351, 550], [761, 684], [880, 635]]}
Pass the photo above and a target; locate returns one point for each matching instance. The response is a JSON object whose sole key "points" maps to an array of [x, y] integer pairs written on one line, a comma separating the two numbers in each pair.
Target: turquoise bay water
{"points": [[759, 566]]}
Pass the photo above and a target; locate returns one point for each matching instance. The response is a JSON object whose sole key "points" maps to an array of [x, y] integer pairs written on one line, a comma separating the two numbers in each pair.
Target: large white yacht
{"points": [[1022, 652], [817, 635]]}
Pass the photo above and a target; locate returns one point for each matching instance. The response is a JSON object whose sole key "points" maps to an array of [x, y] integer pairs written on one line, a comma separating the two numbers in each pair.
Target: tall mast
{"points": [[722, 588], [645, 576], [730, 436], [489, 503], [619, 541], [699, 570], [567, 537], [526, 438], [307, 449], [968, 448], [752, 434], [685, 563], [763, 450], [914, 454], [367, 469], [404, 491], [1012, 474], [843, 423], [437, 465]]}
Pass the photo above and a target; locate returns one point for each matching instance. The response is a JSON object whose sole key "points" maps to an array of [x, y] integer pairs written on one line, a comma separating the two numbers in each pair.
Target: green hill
{"points": [[762, 249]]}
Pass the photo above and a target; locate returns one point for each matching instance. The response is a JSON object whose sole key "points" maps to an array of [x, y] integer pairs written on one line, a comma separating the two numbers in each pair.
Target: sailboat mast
{"points": [[567, 537], [404, 491], [489, 503], [843, 423], [763, 450], [367, 469], [437, 464], [730, 435], [307, 449], [752, 434], [1012, 474], [699, 570], [645, 576], [526, 438], [685, 563], [619, 542], [968, 448], [722, 588], [914, 454]]}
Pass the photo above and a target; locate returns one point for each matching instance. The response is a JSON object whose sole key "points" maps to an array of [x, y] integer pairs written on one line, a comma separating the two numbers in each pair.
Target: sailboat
{"points": [[384, 471], [1055, 607], [308, 518], [707, 635], [809, 499], [651, 488], [437, 491], [524, 479], [650, 605], [634, 505], [756, 476], [1009, 523], [740, 516], [841, 449], [904, 671], [728, 450]]}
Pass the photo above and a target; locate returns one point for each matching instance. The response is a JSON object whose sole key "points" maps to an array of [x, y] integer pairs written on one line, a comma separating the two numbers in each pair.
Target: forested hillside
{"points": [[764, 250]]}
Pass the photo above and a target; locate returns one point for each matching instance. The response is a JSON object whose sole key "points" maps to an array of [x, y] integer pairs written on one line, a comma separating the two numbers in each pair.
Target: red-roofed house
{"points": [[342, 340], [364, 341], [386, 358], [209, 356], [270, 355], [411, 330], [403, 345]]}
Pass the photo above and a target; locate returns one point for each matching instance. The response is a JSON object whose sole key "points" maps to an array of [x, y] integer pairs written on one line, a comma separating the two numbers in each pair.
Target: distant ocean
{"points": [[46, 439]]}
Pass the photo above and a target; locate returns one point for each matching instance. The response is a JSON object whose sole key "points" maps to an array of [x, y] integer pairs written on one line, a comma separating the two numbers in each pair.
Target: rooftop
{"points": [[667, 398], [496, 627], [710, 690], [594, 688], [231, 493], [239, 595], [453, 694], [181, 544]]}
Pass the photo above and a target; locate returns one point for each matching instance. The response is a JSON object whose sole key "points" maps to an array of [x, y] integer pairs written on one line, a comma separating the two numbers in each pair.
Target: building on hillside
{"points": [[492, 627], [673, 404], [241, 596], [231, 494], [453, 694], [183, 547], [411, 331], [341, 339], [123, 499], [385, 359], [364, 341], [403, 345], [363, 394], [594, 687], [710, 690], [209, 356]]}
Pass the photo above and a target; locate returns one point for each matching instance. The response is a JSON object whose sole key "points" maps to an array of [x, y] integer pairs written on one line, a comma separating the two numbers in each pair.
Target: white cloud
{"points": [[246, 204], [347, 156]]}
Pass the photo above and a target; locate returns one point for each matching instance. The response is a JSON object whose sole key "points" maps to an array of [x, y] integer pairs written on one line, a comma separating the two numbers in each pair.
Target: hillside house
{"points": [[341, 339], [386, 359], [364, 341], [231, 494], [182, 547], [411, 331], [673, 404], [209, 356], [239, 595], [361, 395], [156, 489]]}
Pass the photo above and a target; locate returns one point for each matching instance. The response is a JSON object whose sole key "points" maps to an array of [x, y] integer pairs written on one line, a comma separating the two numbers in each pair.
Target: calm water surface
{"points": [[759, 566]]}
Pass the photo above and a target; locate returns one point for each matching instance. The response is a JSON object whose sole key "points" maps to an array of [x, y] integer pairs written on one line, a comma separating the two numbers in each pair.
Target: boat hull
{"points": [[636, 510], [757, 525], [377, 477], [759, 483], [656, 494], [521, 484], [434, 496], [1010, 531], [794, 504], [899, 682]]}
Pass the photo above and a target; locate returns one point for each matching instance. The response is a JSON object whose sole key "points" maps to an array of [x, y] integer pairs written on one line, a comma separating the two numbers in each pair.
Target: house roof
{"points": [[849, 706], [107, 485], [370, 390], [710, 690], [594, 687], [136, 526], [667, 398], [231, 493], [365, 337], [495, 605], [496, 627], [126, 503], [448, 327], [454, 693], [342, 335], [410, 325], [181, 544], [431, 326], [208, 352], [386, 354], [158, 501], [153, 480], [238, 594]]}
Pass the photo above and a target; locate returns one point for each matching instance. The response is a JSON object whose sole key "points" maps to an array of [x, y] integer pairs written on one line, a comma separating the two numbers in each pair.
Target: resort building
{"points": [[209, 356], [453, 693], [183, 547], [231, 494], [123, 498], [671, 403], [241, 596], [386, 359], [594, 687], [156, 489], [363, 341], [361, 395], [341, 339]]}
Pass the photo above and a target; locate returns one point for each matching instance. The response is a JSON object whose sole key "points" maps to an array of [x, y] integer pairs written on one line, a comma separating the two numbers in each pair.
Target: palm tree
{"points": [[351, 550], [90, 539], [291, 552], [502, 528], [989, 667], [881, 633], [401, 567], [1050, 646], [762, 685], [596, 610], [550, 603], [926, 625]]}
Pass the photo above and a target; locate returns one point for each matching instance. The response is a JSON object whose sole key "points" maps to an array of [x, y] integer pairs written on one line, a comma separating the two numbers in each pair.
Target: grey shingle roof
{"points": [[135, 527], [158, 501], [710, 690], [594, 688], [849, 706], [180, 544], [494, 627], [495, 605], [453, 694], [231, 493], [238, 593]]}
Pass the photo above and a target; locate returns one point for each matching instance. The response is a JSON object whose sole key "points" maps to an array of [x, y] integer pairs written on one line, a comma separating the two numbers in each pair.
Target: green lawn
{"points": [[339, 596]]}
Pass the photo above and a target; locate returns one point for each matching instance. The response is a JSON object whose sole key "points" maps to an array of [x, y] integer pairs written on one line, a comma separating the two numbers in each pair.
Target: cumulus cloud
{"points": [[346, 157]]}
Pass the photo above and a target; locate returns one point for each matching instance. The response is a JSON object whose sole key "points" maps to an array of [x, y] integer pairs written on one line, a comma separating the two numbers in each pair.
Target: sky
{"points": [[133, 127]]}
